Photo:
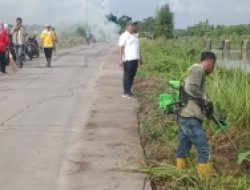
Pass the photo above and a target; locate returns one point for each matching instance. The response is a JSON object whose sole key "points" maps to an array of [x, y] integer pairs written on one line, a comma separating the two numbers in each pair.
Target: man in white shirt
{"points": [[130, 56]]}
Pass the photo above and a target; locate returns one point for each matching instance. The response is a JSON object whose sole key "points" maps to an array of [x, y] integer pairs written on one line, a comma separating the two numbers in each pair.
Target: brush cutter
{"points": [[171, 102]]}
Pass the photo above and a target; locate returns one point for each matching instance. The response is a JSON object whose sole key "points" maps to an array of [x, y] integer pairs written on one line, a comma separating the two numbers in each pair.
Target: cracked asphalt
{"points": [[67, 127]]}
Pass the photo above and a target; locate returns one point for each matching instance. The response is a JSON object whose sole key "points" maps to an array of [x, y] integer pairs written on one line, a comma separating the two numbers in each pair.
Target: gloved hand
{"points": [[209, 108]]}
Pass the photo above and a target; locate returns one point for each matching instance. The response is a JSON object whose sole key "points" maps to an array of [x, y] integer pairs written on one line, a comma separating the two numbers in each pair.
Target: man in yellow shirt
{"points": [[48, 40]]}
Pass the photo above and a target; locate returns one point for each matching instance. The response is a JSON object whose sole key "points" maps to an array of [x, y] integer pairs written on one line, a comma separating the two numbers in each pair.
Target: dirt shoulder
{"points": [[110, 150]]}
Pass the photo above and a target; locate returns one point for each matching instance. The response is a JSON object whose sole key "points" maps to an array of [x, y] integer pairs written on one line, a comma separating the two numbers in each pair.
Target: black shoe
{"points": [[4, 72], [20, 65], [131, 94]]}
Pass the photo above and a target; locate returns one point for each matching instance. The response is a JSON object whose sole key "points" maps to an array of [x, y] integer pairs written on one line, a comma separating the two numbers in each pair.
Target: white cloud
{"points": [[175, 5], [190, 12]]}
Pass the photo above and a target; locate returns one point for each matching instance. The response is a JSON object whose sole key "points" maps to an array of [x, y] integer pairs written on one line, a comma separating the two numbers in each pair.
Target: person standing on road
{"points": [[6, 28], [48, 40], [87, 36], [191, 115], [4, 43], [130, 57], [19, 35]]}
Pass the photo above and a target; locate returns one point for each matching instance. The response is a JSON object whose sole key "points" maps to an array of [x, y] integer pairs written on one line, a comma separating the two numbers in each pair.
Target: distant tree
{"points": [[112, 18], [122, 21], [164, 22], [180, 32], [147, 25], [80, 30], [205, 29], [201, 29]]}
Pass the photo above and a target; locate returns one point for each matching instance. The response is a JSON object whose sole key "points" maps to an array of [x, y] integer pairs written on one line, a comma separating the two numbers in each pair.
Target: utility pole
{"points": [[87, 15], [103, 6]]}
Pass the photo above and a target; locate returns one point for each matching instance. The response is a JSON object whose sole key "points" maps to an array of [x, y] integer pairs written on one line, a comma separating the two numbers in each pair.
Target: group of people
{"points": [[191, 116], [16, 37]]}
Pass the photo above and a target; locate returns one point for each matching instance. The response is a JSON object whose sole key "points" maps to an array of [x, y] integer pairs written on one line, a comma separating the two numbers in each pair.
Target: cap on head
{"points": [[47, 26], [19, 19], [131, 22]]}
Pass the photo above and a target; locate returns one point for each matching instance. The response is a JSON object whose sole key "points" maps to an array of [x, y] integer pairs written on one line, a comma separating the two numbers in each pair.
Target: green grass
{"points": [[175, 179], [229, 90], [67, 41]]}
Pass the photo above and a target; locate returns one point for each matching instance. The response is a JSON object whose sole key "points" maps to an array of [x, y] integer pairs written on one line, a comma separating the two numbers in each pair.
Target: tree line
{"points": [[162, 24]]}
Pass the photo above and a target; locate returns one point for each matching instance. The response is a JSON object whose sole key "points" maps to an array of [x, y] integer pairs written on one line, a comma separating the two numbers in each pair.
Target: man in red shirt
{"points": [[4, 42]]}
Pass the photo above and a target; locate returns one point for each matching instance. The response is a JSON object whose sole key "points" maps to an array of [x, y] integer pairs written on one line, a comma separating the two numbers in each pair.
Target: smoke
{"points": [[90, 13], [97, 22]]}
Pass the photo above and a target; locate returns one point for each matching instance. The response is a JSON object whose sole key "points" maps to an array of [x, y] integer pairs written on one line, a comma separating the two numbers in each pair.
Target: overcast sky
{"points": [[187, 12]]}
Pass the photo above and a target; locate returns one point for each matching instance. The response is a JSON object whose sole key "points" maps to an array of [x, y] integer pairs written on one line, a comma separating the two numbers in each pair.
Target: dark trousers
{"points": [[48, 53], [130, 68], [2, 61]]}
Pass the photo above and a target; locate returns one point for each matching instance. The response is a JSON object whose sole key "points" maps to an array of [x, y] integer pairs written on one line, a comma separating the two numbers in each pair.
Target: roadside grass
{"points": [[67, 36], [229, 90], [168, 177], [69, 41]]}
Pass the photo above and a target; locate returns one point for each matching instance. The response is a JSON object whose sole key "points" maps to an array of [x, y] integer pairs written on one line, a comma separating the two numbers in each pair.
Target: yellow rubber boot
{"points": [[181, 163], [204, 169]]}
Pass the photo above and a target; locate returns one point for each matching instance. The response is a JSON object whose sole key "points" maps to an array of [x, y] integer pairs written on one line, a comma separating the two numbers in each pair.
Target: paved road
{"points": [[53, 135]]}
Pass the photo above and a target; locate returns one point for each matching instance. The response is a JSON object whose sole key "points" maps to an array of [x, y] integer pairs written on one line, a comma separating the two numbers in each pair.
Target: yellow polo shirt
{"points": [[48, 38]]}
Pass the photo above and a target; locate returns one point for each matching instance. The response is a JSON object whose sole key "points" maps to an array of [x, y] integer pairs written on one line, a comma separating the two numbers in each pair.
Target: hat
{"points": [[47, 25], [131, 22], [19, 18]]}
